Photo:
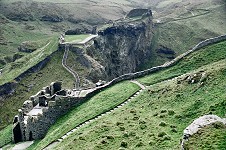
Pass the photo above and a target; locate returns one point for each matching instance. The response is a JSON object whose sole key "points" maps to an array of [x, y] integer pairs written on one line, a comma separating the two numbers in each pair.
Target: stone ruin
{"points": [[41, 111]]}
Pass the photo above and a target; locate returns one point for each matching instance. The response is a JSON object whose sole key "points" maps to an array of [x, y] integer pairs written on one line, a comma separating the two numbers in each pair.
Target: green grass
{"points": [[5, 135], [96, 105], [157, 117], [76, 38], [31, 84], [195, 60], [14, 34], [208, 138], [14, 69]]}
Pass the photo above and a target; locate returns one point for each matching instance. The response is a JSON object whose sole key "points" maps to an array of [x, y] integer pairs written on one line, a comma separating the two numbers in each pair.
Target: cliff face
{"points": [[122, 48]]}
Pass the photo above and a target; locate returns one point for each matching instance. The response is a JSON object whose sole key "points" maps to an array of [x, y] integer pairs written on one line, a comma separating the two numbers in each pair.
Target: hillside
{"points": [[28, 36], [156, 118]]}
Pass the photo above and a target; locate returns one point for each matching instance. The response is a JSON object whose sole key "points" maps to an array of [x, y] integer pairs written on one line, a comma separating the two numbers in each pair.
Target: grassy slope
{"points": [[5, 135], [14, 34], [76, 38], [211, 137], [32, 83], [158, 116], [13, 70], [183, 34], [96, 105], [195, 60]]}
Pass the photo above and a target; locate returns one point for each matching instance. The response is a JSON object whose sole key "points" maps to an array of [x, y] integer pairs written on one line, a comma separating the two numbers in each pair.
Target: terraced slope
{"points": [[157, 117]]}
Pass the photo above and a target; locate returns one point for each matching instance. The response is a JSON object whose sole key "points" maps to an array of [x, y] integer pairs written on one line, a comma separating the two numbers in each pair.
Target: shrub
{"points": [[133, 111], [125, 134], [162, 124], [171, 112], [139, 144], [132, 133], [143, 126], [166, 137], [156, 114], [174, 130], [151, 142], [119, 123], [161, 134], [122, 128], [162, 116], [163, 111], [124, 144]]}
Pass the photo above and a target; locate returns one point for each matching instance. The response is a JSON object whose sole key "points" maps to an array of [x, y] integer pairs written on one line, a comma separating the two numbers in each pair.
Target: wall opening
{"points": [[17, 133], [30, 136]]}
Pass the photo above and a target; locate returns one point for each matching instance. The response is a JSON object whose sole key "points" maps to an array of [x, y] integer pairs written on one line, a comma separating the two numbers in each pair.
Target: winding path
{"points": [[50, 146], [64, 64]]}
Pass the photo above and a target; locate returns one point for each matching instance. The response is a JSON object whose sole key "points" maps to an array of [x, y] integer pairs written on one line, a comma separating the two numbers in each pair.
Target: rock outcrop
{"points": [[123, 47], [199, 124]]}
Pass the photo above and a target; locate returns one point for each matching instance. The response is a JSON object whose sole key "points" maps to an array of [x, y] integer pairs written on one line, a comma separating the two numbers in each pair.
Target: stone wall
{"points": [[55, 102], [41, 111]]}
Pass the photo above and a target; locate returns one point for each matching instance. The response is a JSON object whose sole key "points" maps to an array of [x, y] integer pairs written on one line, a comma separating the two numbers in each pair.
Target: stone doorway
{"points": [[17, 133], [30, 136]]}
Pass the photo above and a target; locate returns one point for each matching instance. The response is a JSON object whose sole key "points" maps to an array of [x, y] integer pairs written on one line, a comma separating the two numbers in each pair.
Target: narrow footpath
{"points": [[64, 64]]}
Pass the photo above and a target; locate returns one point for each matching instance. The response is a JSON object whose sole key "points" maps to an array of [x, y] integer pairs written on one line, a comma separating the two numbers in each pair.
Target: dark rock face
{"points": [[123, 48], [138, 12], [166, 50], [27, 47], [51, 18], [78, 31]]}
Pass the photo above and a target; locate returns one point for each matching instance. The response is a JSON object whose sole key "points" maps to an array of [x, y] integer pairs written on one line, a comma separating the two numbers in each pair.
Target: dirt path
{"points": [[22, 146], [139, 84], [64, 64]]}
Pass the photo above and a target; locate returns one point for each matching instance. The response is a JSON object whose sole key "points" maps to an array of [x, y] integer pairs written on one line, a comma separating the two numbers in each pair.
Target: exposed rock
{"points": [[166, 50], [28, 47], [123, 48], [78, 31], [198, 124], [55, 87], [51, 18], [138, 12]]}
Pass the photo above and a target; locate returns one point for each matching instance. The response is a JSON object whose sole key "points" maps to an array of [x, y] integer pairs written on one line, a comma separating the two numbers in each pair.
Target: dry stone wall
{"points": [[43, 109]]}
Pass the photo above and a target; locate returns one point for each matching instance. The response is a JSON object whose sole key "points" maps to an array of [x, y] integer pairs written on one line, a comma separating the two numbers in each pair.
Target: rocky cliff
{"points": [[123, 47]]}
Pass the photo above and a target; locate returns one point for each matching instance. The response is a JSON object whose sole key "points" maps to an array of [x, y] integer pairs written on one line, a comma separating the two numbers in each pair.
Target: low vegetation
{"points": [[195, 60], [5, 135], [14, 69], [76, 38], [157, 117], [96, 105]]}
